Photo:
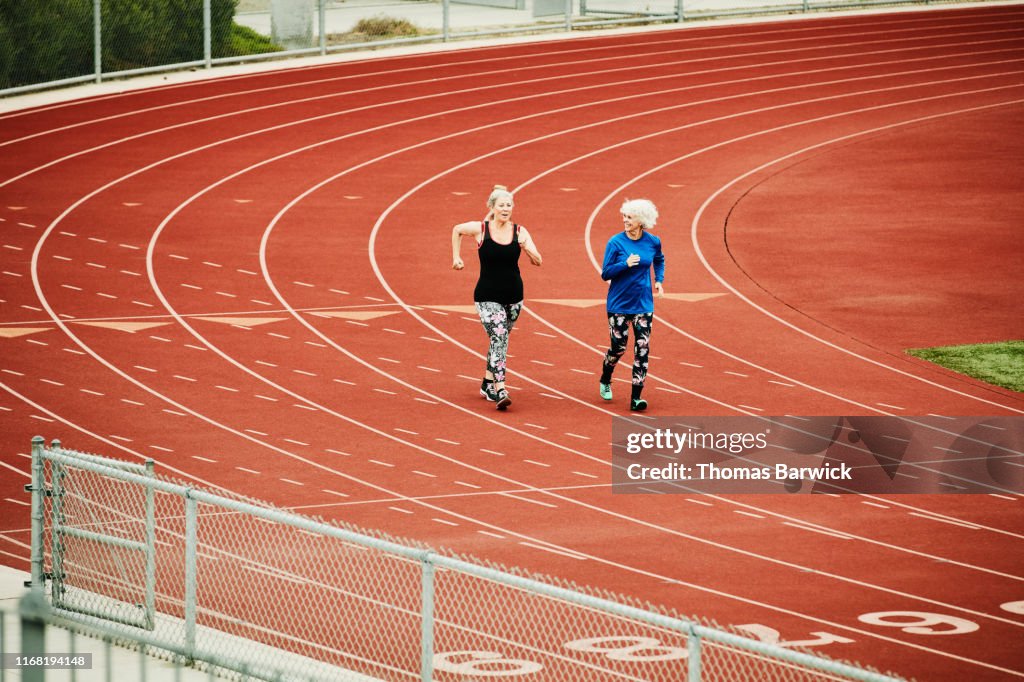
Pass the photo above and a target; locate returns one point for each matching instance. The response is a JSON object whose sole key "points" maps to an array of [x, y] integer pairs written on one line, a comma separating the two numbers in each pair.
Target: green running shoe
{"points": [[605, 390]]}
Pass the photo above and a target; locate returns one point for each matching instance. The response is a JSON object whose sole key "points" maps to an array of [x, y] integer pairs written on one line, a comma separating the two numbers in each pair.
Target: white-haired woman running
{"points": [[499, 290], [628, 259]]}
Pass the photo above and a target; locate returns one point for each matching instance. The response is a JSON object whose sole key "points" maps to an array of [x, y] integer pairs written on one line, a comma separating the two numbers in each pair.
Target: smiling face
{"points": [[632, 225]]}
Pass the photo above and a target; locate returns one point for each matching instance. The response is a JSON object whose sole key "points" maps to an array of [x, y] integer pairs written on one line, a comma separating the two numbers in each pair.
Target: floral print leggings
{"points": [[498, 320], [618, 328]]}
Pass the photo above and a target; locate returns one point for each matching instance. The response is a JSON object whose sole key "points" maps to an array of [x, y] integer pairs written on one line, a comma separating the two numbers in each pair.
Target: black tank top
{"points": [[500, 280]]}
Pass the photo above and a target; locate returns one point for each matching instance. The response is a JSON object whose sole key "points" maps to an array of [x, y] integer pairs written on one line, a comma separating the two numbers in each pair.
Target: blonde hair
{"points": [[643, 210], [499, 192]]}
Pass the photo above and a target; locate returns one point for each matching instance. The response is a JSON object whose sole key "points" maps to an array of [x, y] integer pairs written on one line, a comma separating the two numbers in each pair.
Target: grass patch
{"points": [[386, 27], [1001, 363]]}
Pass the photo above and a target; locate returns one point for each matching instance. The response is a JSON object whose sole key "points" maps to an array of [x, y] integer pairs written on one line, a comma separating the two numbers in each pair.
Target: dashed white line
{"points": [[335, 492], [489, 533]]}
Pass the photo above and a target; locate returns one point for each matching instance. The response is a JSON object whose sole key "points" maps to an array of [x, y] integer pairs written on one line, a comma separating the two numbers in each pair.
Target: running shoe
{"points": [[638, 404], [487, 390], [605, 390], [503, 400]]}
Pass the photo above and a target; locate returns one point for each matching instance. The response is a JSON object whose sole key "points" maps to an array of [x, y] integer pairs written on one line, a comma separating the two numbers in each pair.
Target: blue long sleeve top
{"points": [[629, 291]]}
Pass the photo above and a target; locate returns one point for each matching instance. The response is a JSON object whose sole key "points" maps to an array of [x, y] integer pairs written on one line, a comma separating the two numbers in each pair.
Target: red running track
{"points": [[248, 280]]}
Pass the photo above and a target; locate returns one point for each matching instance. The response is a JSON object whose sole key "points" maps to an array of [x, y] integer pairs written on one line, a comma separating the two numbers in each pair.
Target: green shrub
{"points": [[46, 40], [243, 40]]}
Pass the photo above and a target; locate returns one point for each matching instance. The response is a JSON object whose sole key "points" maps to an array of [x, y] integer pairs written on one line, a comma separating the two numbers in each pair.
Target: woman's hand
{"points": [[457, 264], [659, 289], [634, 259]]}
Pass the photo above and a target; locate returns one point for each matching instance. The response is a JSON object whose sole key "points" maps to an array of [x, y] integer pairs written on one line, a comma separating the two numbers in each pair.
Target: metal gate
{"points": [[119, 584]]}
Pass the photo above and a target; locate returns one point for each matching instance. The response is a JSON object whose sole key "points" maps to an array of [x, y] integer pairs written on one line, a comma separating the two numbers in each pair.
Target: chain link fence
{"points": [[63, 42], [222, 582]]}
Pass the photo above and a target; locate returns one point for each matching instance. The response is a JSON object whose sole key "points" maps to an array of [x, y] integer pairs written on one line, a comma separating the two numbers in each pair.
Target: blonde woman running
{"points": [[499, 290]]}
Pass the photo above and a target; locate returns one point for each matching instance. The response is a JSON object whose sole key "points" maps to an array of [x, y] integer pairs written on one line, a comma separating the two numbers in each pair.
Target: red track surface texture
{"points": [[248, 279]]}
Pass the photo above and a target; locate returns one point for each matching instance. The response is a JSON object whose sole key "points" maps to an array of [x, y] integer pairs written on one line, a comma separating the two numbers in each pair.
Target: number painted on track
{"points": [[772, 636], [920, 622], [483, 664], [628, 648], [1013, 607]]}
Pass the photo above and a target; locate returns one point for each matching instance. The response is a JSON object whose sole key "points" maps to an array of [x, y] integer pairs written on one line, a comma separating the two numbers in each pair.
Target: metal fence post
{"points": [[32, 609], [151, 547], [446, 19], [693, 656], [97, 38], [57, 475], [568, 15], [679, 10], [38, 484], [427, 619], [207, 35], [191, 560]]}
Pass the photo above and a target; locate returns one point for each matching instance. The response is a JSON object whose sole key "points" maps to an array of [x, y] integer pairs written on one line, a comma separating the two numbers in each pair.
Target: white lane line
{"points": [[544, 548], [526, 499]]}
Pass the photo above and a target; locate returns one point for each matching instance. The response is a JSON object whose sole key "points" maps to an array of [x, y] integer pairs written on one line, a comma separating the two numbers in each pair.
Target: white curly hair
{"points": [[643, 210]]}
